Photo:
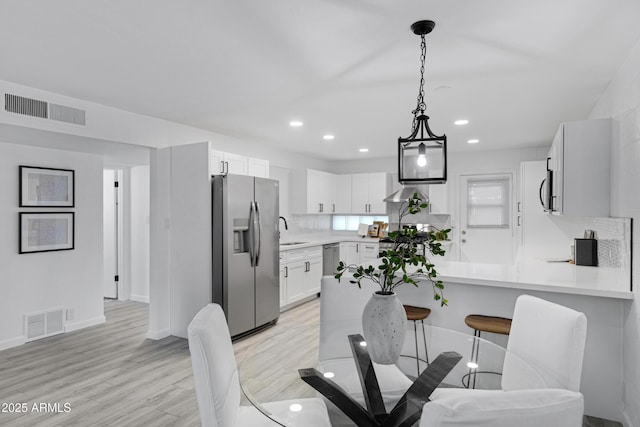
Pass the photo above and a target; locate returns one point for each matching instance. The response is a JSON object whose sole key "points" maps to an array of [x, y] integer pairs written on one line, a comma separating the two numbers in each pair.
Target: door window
{"points": [[488, 203]]}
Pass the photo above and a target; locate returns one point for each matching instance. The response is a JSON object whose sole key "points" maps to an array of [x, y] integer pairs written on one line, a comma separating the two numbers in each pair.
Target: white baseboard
{"points": [[70, 327], [139, 298], [12, 342], [158, 335]]}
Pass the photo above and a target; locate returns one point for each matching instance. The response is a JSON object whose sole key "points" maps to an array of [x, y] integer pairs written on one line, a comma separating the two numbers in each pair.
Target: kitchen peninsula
{"points": [[491, 289]]}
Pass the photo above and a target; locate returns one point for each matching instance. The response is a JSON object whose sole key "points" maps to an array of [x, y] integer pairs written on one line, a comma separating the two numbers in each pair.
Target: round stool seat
{"points": [[416, 313], [496, 325]]}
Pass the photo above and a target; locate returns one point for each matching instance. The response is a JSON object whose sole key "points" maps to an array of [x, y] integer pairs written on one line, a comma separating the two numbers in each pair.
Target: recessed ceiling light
{"points": [[295, 123], [461, 122], [473, 141], [364, 150], [328, 137]]}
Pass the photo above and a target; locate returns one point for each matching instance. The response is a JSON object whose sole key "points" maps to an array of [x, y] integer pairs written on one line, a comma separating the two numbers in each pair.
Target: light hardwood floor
{"points": [[111, 375]]}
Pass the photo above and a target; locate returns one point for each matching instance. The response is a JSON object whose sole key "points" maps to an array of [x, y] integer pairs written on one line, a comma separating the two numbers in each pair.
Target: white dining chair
{"points": [[540, 377], [217, 383]]}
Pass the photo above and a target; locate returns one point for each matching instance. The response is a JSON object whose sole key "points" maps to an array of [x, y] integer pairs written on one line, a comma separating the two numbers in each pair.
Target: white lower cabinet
{"points": [[359, 253], [368, 254], [349, 253], [300, 274]]}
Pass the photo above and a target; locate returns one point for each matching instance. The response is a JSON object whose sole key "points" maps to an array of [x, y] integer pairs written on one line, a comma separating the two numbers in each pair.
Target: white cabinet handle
{"points": [[286, 272]]}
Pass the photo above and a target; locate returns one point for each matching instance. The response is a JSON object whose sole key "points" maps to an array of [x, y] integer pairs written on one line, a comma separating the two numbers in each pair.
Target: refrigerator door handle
{"points": [[252, 234], [259, 230]]}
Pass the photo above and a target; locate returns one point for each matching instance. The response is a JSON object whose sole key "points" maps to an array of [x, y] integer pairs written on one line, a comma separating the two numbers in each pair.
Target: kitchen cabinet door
{"points": [[342, 194], [221, 163], [439, 199], [311, 191], [314, 275], [377, 192], [579, 159], [296, 273], [349, 253], [326, 189], [368, 191], [368, 254], [359, 193], [236, 164], [258, 167], [216, 162]]}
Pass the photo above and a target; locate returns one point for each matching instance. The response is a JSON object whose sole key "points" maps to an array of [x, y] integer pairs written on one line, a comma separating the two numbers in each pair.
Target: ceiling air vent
{"points": [[44, 110], [66, 114], [27, 106]]}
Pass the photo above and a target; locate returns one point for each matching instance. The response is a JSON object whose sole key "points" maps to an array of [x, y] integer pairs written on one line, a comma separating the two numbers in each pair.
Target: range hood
{"points": [[404, 194]]}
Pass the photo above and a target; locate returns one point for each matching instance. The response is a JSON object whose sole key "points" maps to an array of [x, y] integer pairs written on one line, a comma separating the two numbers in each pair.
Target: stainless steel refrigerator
{"points": [[245, 240]]}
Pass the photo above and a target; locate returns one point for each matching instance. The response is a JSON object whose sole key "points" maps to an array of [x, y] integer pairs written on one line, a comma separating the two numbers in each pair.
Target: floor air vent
{"points": [[44, 324], [44, 110]]}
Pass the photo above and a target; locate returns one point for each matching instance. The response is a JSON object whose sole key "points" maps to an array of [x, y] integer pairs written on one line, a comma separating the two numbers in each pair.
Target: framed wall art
{"points": [[46, 231], [46, 187]]}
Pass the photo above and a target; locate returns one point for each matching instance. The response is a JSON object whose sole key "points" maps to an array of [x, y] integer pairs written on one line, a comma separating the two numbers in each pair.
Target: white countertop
{"points": [[316, 239], [538, 275]]}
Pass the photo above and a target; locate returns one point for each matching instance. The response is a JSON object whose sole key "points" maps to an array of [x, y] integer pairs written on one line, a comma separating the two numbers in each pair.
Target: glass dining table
{"points": [[272, 371]]}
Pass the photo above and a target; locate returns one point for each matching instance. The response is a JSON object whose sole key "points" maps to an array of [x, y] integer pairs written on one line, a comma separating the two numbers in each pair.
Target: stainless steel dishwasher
{"points": [[330, 258]]}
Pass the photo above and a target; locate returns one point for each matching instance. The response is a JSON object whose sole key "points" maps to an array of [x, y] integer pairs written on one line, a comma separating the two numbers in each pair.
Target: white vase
{"points": [[384, 324]]}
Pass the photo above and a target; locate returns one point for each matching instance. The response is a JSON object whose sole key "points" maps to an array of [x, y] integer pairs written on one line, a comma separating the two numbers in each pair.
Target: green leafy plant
{"points": [[403, 263]]}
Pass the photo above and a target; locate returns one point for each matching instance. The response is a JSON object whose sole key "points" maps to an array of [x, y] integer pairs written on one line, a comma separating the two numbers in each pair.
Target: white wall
{"points": [[134, 129], [38, 281], [621, 101], [139, 203]]}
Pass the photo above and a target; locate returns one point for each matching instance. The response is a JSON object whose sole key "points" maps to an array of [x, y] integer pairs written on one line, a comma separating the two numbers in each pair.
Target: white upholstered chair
{"points": [[545, 336], [217, 385], [341, 306]]}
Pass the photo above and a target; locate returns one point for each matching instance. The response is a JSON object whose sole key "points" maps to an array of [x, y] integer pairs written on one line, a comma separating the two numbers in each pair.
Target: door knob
{"points": [[463, 232], [464, 240]]}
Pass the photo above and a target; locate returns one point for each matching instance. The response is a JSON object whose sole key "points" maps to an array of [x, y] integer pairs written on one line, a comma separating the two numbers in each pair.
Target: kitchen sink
{"points": [[292, 243]]}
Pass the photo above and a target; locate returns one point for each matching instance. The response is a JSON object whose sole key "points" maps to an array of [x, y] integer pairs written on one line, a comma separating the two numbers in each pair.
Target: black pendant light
{"points": [[422, 156]]}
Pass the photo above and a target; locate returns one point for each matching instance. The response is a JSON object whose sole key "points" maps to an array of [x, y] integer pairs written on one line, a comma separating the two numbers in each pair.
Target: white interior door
{"points": [[486, 219], [111, 239]]}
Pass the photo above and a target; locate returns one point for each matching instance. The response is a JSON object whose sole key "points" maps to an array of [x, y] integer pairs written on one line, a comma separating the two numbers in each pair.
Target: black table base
{"points": [[408, 409]]}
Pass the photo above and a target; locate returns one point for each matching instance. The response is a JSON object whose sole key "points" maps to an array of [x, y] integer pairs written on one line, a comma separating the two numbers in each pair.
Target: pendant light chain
{"points": [[421, 106]]}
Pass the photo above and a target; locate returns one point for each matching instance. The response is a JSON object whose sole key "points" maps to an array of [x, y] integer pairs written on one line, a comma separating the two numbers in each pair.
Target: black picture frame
{"points": [[46, 187], [46, 232]]}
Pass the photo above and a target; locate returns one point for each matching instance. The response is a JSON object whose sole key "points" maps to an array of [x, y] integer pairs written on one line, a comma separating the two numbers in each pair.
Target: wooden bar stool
{"points": [[414, 314], [479, 324]]}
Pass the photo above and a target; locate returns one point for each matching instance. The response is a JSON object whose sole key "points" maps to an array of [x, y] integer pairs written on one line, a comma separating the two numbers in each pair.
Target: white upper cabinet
{"points": [[579, 160], [368, 191], [222, 163], [342, 194], [439, 198], [236, 164], [258, 167], [312, 191]]}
